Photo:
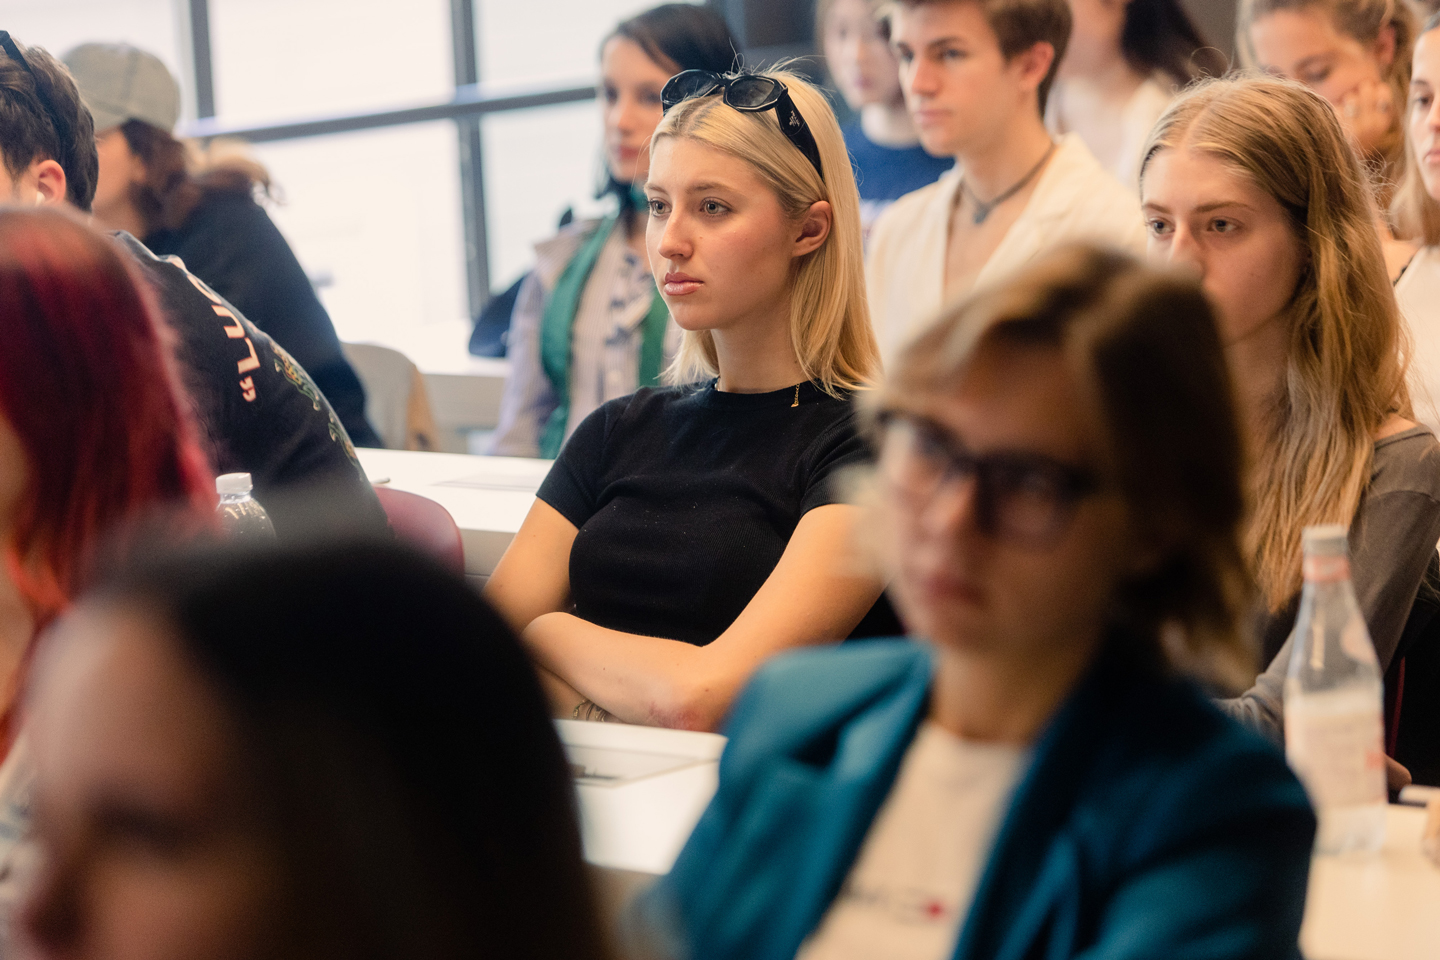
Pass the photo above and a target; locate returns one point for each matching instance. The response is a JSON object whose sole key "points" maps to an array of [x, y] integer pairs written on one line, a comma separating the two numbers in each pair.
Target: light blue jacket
{"points": [[1148, 825]]}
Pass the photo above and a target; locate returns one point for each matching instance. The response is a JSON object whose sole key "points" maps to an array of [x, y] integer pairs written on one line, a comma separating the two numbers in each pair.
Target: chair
{"points": [[396, 401], [425, 525], [1417, 714], [1412, 692]]}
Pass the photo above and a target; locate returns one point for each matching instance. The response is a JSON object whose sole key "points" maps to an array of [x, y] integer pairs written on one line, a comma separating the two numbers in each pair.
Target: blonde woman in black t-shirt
{"points": [[687, 533]]}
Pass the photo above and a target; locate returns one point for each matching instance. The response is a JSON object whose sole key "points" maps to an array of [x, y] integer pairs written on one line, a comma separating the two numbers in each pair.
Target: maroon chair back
{"points": [[424, 525]]}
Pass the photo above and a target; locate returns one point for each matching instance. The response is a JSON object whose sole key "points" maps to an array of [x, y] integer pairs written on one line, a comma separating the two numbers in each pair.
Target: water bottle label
{"points": [[1336, 746], [1326, 569]]}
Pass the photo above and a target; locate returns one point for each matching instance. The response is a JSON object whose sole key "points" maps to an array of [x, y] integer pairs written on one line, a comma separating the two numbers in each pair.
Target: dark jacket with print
{"points": [[258, 410]]}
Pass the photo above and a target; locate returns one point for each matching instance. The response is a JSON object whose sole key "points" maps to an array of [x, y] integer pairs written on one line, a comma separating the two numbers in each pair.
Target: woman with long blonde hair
{"points": [[1253, 182], [688, 532]]}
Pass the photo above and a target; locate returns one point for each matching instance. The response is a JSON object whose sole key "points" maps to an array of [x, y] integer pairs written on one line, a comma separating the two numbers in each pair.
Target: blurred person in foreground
{"points": [[882, 141], [94, 441], [588, 324], [209, 218], [257, 409], [358, 763], [1059, 497]]}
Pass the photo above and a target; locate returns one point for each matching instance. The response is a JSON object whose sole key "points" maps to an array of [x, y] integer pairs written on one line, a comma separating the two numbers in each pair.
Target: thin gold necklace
{"points": [[797, 396]]}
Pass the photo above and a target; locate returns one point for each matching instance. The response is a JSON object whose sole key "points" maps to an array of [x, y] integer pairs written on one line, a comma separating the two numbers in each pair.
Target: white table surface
{"points": [[1384, 907], [641, 824], [488, 516]]}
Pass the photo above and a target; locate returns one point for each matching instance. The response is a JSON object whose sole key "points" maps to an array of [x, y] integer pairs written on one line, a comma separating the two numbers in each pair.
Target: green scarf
{"points": [[558, 323]]}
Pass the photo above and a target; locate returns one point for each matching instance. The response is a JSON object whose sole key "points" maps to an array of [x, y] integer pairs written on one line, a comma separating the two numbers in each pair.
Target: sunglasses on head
{"points": [[13, 50], [748, 93]]}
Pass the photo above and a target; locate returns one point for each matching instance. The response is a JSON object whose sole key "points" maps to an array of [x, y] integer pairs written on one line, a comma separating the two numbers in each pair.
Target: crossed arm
{"points": [[816, 593]]}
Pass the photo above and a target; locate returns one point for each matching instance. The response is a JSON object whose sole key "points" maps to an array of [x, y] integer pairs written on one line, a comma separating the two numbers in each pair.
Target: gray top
{"points": [[1392, 561]]}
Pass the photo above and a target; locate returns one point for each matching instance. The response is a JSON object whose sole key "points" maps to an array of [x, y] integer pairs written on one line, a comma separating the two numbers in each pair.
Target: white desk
{"points": [[642, 791], [487, 496], [1378, 908]]}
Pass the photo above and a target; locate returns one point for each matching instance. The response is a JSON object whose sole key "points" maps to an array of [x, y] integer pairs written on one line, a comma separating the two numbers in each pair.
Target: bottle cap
{"points": [[1328, 538], [233, 483]]}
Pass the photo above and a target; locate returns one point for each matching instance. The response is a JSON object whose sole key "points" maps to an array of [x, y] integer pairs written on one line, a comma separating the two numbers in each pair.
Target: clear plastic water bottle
{"points": [[1334, 702], [241, 514]]}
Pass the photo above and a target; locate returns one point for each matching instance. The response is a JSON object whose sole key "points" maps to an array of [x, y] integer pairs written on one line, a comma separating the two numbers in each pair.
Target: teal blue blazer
{"points": [[1147, 825]]}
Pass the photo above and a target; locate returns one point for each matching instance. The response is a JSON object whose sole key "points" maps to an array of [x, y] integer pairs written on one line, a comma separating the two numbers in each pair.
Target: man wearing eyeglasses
{"points": [[975, 74], [259, 410]]}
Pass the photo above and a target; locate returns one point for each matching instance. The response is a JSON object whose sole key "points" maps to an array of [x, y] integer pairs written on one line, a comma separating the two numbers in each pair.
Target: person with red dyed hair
{"points": [[95, 439]]}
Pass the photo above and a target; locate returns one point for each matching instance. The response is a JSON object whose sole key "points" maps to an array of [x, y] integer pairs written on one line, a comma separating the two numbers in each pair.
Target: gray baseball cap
{"points": [[119, 82]]}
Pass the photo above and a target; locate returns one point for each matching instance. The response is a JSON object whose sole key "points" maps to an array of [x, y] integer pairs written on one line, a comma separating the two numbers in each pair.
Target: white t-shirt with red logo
{"points": [[911, 885]]}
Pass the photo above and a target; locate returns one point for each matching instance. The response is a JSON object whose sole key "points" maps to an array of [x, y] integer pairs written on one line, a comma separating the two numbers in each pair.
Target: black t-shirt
{"points": [[259, 411], [230, 242], [685, 498]]}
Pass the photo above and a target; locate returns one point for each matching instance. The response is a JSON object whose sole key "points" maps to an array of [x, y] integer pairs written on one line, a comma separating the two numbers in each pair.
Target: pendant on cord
{"points": [[983, 209]]}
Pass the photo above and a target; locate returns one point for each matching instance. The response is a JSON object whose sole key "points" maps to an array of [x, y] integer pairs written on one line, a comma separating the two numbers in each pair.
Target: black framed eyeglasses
{"points": [[748, 93], [13, 51], [1021, 497]]}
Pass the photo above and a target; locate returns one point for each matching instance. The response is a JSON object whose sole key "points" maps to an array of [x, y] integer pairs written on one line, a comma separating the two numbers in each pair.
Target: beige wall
{"points": [[1216, 19]]}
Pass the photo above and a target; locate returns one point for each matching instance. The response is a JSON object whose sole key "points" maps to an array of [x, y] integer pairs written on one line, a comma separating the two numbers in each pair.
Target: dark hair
{"points": [[170, 191], [676, 37], [29, 132], [401, 749], [1019, 25], [681, 36], [1160, 36], [1143, 345]]}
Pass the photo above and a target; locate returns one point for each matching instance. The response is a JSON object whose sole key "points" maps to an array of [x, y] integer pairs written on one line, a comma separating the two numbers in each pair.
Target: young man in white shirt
{"points": [[975, 75]]}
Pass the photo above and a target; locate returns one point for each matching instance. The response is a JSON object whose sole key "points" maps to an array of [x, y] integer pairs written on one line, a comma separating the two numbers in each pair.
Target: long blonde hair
{"points": [[1361, 20], [829, 316], [1343, 374], [1414, 213]]}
